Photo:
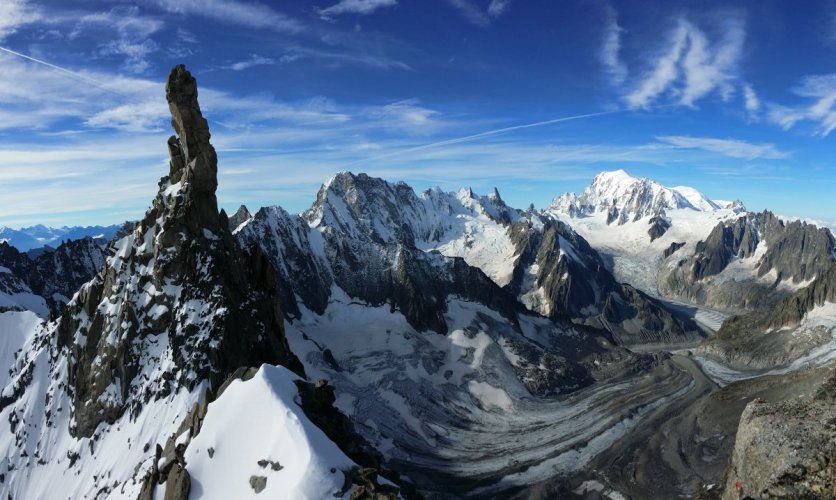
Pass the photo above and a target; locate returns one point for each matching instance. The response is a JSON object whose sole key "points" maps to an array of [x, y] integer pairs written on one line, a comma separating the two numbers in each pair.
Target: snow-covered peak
{"points": [[625, 198]]}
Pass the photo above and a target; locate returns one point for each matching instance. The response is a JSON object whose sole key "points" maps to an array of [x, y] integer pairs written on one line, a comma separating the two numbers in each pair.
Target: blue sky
{"points": [[737, 99]]}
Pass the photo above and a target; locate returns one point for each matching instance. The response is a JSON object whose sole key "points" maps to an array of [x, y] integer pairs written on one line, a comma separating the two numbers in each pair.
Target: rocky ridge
{"points": [[360, 229], [780, 254]]}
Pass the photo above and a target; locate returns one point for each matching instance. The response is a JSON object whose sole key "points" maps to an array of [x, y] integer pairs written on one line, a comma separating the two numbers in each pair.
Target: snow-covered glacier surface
{"points": [[450, 412]]}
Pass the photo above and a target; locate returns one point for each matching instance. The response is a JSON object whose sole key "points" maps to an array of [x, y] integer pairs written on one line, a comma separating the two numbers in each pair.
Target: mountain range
{"points": [[386, 343], [39, 236]]}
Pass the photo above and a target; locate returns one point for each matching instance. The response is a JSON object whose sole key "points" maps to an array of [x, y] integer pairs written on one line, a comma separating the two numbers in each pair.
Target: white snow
{"points": [[634, 257], [16, 327], [26, 301], [490, 396], [272, 427]]}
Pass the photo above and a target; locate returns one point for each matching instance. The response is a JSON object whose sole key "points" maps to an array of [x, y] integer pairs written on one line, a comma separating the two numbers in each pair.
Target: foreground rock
{"points": [[786, 449]]}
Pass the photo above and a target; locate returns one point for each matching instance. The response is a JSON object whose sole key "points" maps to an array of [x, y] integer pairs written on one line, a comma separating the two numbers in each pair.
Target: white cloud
{"points": [[474, 14], [611, 48], [406, 116], [498, 7], [353, 56], [254, 60], [750, 99], [133, 32], [363, 7], [251, 14], [147, 116], [692, 66], [733, 148], [820, 90], [16, 13]]}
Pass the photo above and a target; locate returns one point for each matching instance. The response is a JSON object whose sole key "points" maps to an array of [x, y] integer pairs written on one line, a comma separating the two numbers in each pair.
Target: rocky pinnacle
{"points": [[193, 159], [177, 282]]}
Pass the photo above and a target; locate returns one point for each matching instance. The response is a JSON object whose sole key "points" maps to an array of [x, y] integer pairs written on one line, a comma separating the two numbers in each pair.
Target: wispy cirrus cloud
{"points": [[250, 14], [16, 13], [733, 148], [498, 7], [478, 16], [610, 53], [750, 100], [250, 62], [406, 116], [362, 7], [132, 40], [690, 66], [820, 108]]}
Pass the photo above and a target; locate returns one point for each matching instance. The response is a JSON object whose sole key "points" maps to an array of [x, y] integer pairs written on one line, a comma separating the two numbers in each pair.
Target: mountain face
{"points": [[675, 243], [54, 276], [381, 242], [785, 449], [749, 263], [110, 399], [624, 198], [33, 237]]}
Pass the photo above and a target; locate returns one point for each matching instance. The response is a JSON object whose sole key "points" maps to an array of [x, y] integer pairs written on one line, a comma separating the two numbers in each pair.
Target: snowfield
{"points": [[255, 429]]}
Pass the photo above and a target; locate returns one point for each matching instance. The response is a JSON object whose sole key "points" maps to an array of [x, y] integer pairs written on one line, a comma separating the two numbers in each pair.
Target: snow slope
{"points": [[271, 438]]}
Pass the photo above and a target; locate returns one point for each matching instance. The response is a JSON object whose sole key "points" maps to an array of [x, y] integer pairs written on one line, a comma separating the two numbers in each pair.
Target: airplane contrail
{"points": [[487, 133], [73, 74]]}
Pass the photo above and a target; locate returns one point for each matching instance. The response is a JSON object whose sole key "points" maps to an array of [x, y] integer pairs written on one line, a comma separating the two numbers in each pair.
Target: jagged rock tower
{"points": [[178, 279]]}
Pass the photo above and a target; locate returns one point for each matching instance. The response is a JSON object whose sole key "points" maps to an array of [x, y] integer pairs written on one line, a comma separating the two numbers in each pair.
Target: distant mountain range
{"points": [[39, 236]]}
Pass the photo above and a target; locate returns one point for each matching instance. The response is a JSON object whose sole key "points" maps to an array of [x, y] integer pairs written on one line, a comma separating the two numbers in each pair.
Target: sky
{"points": [[735, 98]]}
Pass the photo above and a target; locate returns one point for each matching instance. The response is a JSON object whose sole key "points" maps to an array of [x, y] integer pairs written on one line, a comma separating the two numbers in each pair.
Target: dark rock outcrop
{"points": [[576, 284], [672, 249], [659, 225], [179, 274], [240, 216]]}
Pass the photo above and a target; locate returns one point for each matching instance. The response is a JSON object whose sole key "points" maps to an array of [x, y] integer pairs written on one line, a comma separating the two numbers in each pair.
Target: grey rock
{"points": [[54, 275], [795, 251], [672, 249], [258, 483], [767, 338], [178, 483], [240, 216], [785, 450], [659, 225]]}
